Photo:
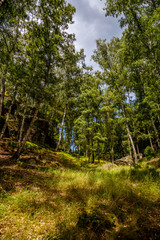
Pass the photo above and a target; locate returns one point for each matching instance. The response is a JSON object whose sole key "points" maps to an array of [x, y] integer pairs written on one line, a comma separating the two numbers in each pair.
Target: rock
{"points": [[124, 161]]}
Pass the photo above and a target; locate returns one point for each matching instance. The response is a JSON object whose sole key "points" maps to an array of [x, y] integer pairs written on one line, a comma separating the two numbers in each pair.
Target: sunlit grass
{"points": [[53, 202]]}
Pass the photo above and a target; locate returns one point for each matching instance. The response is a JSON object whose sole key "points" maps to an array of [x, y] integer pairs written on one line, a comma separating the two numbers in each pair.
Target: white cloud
{"points": [[91, 24], [97, 4]]}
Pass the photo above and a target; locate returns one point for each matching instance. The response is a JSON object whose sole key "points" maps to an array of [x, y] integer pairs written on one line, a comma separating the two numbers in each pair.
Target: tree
{"points": [[47, 37]]}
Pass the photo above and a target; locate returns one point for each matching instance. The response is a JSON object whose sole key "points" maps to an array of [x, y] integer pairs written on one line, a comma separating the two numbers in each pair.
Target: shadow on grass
{"points": [[140, 174], [136, 216]]}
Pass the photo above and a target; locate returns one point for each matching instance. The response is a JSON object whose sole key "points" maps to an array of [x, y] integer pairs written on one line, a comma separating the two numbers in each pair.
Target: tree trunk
{"points": [[129, 145], [7, 115], [139, 156], [2, 97], [62, 125], [69, 147], [130, 137], [92, 156], [150, 140], [112, 154], [132, 143], [89, 155], [156, 132], [6, 121], [22, 124], [92, 151], [98, 152], [79, 151], [73, 147], [86, 154], [21, 145], [158, 113]]}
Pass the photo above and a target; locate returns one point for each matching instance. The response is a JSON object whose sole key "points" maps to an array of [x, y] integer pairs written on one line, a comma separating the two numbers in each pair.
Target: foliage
{"points": [[78, 203], [148, 152]]}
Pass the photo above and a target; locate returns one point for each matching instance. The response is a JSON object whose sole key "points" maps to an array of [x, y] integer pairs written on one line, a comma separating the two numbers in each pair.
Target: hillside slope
{"points": [[47, 195]]}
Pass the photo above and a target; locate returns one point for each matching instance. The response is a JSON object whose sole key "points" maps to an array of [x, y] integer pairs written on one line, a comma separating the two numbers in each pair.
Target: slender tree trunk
{"points": [[129, 145], [79, 151], [132, 143], [150, 139], [130, 137], [62, 125], [21, 145], [98, 152], [89, 155], [139, 156], [92, 156], [156, 132], [2, 97], [92, 151], [112, 154], [158, 113], [158, 118], [69, 147], [86, 154], [7, 115], [112, 146], [22, 124], [6, 121], [73, 146]]}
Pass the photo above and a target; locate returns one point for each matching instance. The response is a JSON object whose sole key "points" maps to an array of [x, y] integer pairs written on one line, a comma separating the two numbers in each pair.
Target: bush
{"points": [[148, 152], [30, 146]]}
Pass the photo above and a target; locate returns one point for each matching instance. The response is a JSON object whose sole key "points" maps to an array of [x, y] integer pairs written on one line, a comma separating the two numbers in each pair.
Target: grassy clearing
{"points": [[74, 202]]}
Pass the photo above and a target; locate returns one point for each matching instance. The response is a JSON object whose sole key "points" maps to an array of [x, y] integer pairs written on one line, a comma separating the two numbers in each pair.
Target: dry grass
{"points": [[52, 203]]}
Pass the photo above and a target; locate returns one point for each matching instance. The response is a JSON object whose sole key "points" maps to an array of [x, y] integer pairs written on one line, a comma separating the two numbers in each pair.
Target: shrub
{"points": [[148, 152], [31, 146]]}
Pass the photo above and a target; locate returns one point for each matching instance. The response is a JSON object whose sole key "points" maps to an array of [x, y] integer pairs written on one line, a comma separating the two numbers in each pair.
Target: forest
{"points": [[79, 148]]}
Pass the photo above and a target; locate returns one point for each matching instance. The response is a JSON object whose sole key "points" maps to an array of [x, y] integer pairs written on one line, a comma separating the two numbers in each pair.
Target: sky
{"points": [[91, 24]]}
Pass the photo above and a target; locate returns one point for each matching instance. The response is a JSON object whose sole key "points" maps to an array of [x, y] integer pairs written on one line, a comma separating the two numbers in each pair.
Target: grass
{"points": [[79, 202]]}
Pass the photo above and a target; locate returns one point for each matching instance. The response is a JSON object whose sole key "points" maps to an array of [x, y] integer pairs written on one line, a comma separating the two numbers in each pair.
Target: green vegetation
{"points": [[60, 199], [63, 125], [49, 95]]}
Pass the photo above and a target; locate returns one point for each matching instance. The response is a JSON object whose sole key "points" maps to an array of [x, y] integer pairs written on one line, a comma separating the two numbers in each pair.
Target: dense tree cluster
{"points": [[46, 85]]}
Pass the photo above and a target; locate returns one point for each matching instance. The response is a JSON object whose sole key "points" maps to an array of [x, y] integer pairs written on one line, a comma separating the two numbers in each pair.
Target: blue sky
{"points": [[91, 24]]}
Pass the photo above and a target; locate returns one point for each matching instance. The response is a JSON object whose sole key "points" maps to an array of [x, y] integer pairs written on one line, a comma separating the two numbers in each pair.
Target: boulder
{"points": [[124, 161]]}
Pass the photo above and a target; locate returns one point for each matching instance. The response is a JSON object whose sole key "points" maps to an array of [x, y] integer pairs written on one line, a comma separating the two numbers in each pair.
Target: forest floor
{"points": [[47, 195]]}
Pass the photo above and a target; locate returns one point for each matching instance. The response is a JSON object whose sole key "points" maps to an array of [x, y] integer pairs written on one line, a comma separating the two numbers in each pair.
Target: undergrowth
{"points": [[79, 201]]}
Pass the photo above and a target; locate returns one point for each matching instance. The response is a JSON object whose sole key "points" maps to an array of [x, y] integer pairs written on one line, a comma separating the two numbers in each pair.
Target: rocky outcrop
{"points": [[124, 161]]}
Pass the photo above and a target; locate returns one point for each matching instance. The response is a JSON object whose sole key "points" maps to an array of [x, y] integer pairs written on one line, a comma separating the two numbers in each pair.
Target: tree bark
{"points": [[22, 124], [79, 151], [156, 132], [138, 151], [2, 97], [130, 137], [92, 151], [132, 143], [21, 145], [129, 145], [69, 147], [98, 152], [62, 125], [6, 121], [150, 140], [112, 154], [73, 147]]}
